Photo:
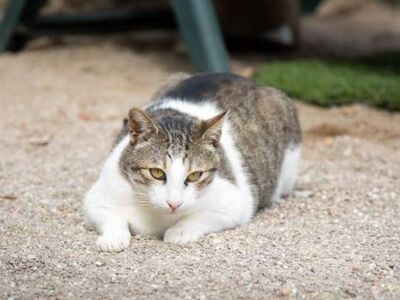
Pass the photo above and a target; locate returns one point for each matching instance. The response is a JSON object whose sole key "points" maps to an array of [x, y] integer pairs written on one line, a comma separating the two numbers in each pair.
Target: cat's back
{"points": [[263, 121], [253, 109], [203, 87], [242, 97]]}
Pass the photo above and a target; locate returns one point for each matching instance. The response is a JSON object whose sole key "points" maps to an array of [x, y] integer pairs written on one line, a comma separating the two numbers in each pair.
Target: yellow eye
{"points": [[157, 173], [195, 176]]}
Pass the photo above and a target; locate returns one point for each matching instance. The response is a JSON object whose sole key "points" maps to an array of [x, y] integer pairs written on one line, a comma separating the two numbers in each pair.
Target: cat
{"points": [[203, 156]]}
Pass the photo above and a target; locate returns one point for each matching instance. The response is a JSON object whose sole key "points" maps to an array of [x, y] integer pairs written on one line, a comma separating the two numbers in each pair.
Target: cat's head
{"points": [[172, 159]]}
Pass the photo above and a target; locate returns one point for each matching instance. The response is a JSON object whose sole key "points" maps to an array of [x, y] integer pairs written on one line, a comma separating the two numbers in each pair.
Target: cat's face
{"points": [[172, 161]]}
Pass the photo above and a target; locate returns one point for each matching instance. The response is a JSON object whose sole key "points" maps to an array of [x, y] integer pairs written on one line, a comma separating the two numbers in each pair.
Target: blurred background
{"points": [[324, 52]]}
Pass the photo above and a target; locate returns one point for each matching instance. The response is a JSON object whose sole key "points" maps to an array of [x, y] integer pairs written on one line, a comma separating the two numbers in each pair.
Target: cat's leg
{"points": [[226, 208], [108, 221], [197, 225], [288, 173]]}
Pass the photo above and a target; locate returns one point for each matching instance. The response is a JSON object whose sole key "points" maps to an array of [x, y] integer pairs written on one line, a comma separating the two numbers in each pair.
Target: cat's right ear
{"points": [[140, 125], [211, 129]]}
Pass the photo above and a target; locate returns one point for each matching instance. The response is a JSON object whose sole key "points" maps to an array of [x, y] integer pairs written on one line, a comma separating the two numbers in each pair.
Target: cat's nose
{"points": [[174, 205]]}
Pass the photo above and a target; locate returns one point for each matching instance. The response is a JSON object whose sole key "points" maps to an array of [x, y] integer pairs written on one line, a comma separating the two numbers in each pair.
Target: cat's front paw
{"points": [[181, 236], [114, 242]]}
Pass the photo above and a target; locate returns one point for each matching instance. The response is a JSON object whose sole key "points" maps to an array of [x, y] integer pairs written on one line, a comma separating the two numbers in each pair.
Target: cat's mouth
{"points": [[174, 212]]}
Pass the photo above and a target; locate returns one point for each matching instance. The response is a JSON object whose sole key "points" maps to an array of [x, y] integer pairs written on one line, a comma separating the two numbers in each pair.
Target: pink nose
{"points": [[174, 206]]}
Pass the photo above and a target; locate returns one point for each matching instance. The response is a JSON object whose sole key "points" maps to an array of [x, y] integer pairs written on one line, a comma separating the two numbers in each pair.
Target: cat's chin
{"points": [[175, 213]]}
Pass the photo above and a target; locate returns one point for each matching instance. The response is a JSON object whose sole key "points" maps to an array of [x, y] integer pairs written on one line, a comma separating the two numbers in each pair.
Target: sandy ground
{"points": [[338, 237]]}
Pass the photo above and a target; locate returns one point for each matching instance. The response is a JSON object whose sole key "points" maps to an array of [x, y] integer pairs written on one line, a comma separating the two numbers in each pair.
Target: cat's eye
{"points": [[193, 177], [157, 173]]}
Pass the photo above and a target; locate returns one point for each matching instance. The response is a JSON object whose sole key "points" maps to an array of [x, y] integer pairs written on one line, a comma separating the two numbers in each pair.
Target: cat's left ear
{"points": [[211, 129]]}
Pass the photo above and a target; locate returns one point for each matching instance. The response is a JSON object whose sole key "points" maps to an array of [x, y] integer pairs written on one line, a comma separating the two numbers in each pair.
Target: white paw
{"points": [[111, 241], [181, 236]]}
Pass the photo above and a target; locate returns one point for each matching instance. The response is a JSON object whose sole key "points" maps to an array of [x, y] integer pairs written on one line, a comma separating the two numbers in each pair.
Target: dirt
{"points": [[61, 106]]}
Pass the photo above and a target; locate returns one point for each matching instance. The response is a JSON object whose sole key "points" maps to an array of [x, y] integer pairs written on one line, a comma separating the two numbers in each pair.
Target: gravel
{"points": [[337, 237]]}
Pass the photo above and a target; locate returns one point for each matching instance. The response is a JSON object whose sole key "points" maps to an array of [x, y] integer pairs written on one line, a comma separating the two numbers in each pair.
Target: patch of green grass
{"points": [[374, 81]]}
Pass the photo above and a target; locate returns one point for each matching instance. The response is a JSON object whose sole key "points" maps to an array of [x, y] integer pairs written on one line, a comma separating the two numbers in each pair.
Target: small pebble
{"points": [[40, 141]]}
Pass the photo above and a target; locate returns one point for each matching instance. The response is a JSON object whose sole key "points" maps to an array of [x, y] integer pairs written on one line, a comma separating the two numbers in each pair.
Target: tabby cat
{"points": [[208, 151]]}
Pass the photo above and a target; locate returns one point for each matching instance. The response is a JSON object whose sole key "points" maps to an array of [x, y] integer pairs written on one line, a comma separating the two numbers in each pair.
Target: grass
{"points": [[374, 81]]}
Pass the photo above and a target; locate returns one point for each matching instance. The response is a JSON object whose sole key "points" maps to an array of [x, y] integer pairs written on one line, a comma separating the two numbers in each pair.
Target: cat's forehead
{"points": [[182, 153], [184, 160], [180, 133], [186, 148]]}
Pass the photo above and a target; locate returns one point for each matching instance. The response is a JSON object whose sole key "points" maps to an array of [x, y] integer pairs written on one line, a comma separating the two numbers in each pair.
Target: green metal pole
{"points": [[9, 22], [309, 6], [200, 29]]}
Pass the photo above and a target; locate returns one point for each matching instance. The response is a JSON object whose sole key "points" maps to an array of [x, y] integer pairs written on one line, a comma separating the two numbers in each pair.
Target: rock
{"points": [[40, 140], [288, 290]]}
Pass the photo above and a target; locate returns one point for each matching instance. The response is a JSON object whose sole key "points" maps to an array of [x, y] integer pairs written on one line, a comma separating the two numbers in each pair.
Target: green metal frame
{"points": [[197, 22], [200, 29], [10, 21], [309, 6]]}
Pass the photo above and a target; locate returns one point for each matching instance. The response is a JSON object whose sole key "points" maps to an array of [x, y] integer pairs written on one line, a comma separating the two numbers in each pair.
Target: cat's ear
{"points": [[211, 129], [140, 125]]}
